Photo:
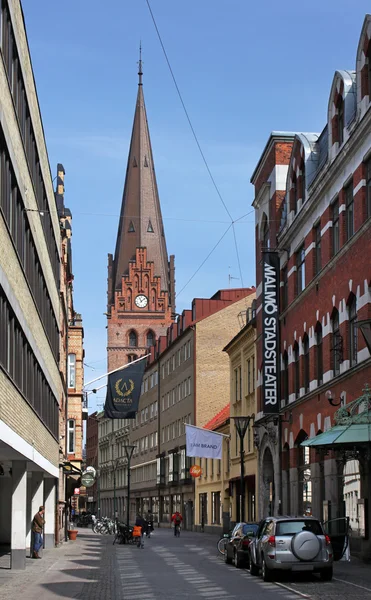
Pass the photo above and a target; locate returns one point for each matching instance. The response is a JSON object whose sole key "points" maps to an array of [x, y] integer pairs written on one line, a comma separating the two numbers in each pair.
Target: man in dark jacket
{"points": [[37, 528]]}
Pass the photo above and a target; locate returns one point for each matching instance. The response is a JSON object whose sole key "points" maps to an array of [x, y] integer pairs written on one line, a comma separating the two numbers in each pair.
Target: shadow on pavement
{"points": [[69, 590]]}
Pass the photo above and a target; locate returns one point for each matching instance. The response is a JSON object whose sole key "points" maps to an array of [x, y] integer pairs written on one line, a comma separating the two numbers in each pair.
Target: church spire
{"points": [[140, 224], [140, 72]]}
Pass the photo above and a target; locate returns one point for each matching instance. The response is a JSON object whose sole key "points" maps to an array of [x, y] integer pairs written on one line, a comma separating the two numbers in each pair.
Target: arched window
{"points": [[303, 183], [71, 370], [337, 343], [285, 378], [306, 362], [296, 370], [319, 354], [265, 232], [150, 338], [353, 331], [133, 338]]}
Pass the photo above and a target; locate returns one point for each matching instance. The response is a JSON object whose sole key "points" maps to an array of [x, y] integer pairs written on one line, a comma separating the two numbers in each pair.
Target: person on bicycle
{"points": [[140, 522], [176, 519]]}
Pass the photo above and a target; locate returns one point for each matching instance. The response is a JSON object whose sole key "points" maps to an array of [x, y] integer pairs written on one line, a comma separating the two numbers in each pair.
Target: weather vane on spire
{"points": [[140, 72]]}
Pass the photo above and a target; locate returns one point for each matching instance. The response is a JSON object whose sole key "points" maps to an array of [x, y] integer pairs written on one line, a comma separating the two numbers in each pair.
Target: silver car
{"points": [[291, 543]]}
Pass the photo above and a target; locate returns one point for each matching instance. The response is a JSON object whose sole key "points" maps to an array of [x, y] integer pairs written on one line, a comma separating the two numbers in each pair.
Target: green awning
{"points": [[340, 435]]}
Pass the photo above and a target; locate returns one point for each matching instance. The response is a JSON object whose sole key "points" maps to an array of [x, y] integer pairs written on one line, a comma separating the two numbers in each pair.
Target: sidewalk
{"points": [[84, 569]]}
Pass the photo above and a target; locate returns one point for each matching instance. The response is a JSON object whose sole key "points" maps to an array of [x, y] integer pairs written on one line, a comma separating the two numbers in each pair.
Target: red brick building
{"points": [[313, 208]]}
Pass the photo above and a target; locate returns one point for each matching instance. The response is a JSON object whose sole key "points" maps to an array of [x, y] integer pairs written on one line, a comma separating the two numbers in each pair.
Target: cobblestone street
{"points": [[167, 568]]}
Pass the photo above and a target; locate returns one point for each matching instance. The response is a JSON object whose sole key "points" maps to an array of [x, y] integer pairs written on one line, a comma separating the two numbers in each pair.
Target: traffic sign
{"points": [[87, 479]]}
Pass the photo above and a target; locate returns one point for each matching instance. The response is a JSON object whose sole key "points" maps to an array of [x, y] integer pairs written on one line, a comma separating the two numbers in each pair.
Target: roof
{"points": [[339, 435], [140, 223], [219, 419]]}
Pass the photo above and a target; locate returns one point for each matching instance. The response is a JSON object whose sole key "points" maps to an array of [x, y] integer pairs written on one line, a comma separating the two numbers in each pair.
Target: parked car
{"points": [[237, 546], [291, 543]]}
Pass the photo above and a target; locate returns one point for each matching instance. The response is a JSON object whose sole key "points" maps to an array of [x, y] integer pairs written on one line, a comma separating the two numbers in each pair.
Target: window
{"points": [[340, 120], [72, 370], [150, 339], [296, 370], [335, 228], [319, 354], [284, 297], [132, 338], [317, 250], [349, 210], [336, 344], [248, 376], [368, 186], [353, 332], [300, 270], [215, 498], [253, 373], [131, 358], [285, 378], [369, 71], [265, 233], [294, 194], [303, 182], [71, 437], [306, 363]]}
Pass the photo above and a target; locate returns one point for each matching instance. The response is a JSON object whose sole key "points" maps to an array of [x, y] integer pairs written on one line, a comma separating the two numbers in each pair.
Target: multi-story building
{"points": [[242, 355], [71, 366], [141, 286], [92, 459], [185, 382], [31, 388], [212, 493], [313, 236]]}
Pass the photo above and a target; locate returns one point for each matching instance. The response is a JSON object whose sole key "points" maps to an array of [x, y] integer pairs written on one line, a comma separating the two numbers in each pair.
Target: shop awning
{"points": [[341, 435]]}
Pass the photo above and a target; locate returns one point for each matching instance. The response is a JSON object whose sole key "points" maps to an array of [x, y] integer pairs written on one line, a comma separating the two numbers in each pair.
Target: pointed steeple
{"points": [[140, 222]]}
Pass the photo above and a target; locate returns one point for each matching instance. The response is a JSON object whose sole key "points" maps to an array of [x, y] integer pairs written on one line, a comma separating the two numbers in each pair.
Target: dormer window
{"points": [[303, 182], [340, 120], [294, 194]]}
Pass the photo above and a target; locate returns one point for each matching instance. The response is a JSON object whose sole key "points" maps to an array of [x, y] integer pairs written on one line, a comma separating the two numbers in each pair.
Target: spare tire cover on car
{"points": [[305, 545]]}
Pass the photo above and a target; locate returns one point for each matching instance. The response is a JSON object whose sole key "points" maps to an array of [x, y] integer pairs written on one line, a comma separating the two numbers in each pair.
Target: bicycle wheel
{"points": [[221, 545]]}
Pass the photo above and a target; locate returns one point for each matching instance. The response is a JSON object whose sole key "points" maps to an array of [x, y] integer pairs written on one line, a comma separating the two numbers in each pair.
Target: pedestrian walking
{"points": [[37, 528], [149, 519]]}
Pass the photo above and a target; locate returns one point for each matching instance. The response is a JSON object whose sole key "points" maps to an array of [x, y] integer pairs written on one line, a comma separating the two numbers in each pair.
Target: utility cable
{"points": [[202, 155], [203, 262]]}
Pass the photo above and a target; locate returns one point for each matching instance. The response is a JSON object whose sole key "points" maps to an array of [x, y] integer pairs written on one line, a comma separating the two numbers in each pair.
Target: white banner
{"points": [[203, 443]]}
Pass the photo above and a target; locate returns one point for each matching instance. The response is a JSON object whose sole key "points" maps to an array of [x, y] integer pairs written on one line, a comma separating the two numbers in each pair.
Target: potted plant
{"points": [[72, 532]]}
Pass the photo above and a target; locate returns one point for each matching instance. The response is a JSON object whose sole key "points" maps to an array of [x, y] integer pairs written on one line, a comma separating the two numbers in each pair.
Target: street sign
{"points": [[87, 479], [195, 471], [91, 470], [90, 498], [76, 491]]}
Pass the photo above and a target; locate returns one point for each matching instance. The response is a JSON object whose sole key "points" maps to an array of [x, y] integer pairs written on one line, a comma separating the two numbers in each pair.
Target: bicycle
{"points": [[221, 544], [177, 529]]}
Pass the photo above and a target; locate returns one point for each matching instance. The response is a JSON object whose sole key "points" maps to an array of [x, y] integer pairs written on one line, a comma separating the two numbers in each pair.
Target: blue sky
{"points": [[243, 68]]}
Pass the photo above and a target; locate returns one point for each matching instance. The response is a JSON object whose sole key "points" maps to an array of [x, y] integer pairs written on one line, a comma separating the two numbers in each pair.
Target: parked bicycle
{"points": [[104, 525], [222, 543], [124, 534]]}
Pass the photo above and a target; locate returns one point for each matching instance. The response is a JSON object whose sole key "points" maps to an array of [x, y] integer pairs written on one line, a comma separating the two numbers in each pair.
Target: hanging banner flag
{"points": [[123, 391], [203, 443], [271, 345]]}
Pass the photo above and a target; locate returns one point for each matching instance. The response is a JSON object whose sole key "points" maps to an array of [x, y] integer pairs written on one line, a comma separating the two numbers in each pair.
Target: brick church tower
{"points": [[141, 283]]}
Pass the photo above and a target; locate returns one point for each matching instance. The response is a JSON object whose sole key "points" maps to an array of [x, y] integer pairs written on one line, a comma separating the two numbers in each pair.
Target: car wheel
{"points": [[267, 573], [227, 560], [238, 562], [326, 574], [254, 570]]}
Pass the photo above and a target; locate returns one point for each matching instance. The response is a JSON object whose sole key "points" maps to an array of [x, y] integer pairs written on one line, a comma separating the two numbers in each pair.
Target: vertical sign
{"points": [[271, 346]]}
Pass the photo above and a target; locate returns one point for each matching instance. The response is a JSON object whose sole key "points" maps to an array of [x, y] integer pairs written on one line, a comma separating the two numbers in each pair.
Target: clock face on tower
{"points": [[141, 301]]}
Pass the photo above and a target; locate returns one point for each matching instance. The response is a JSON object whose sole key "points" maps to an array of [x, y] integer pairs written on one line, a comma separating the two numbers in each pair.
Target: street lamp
{"points": [[242, 424], [114, 468], [129, 449]]}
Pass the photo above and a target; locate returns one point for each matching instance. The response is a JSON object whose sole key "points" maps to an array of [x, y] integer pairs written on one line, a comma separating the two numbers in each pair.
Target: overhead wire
{"points": [[203, 158]]}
